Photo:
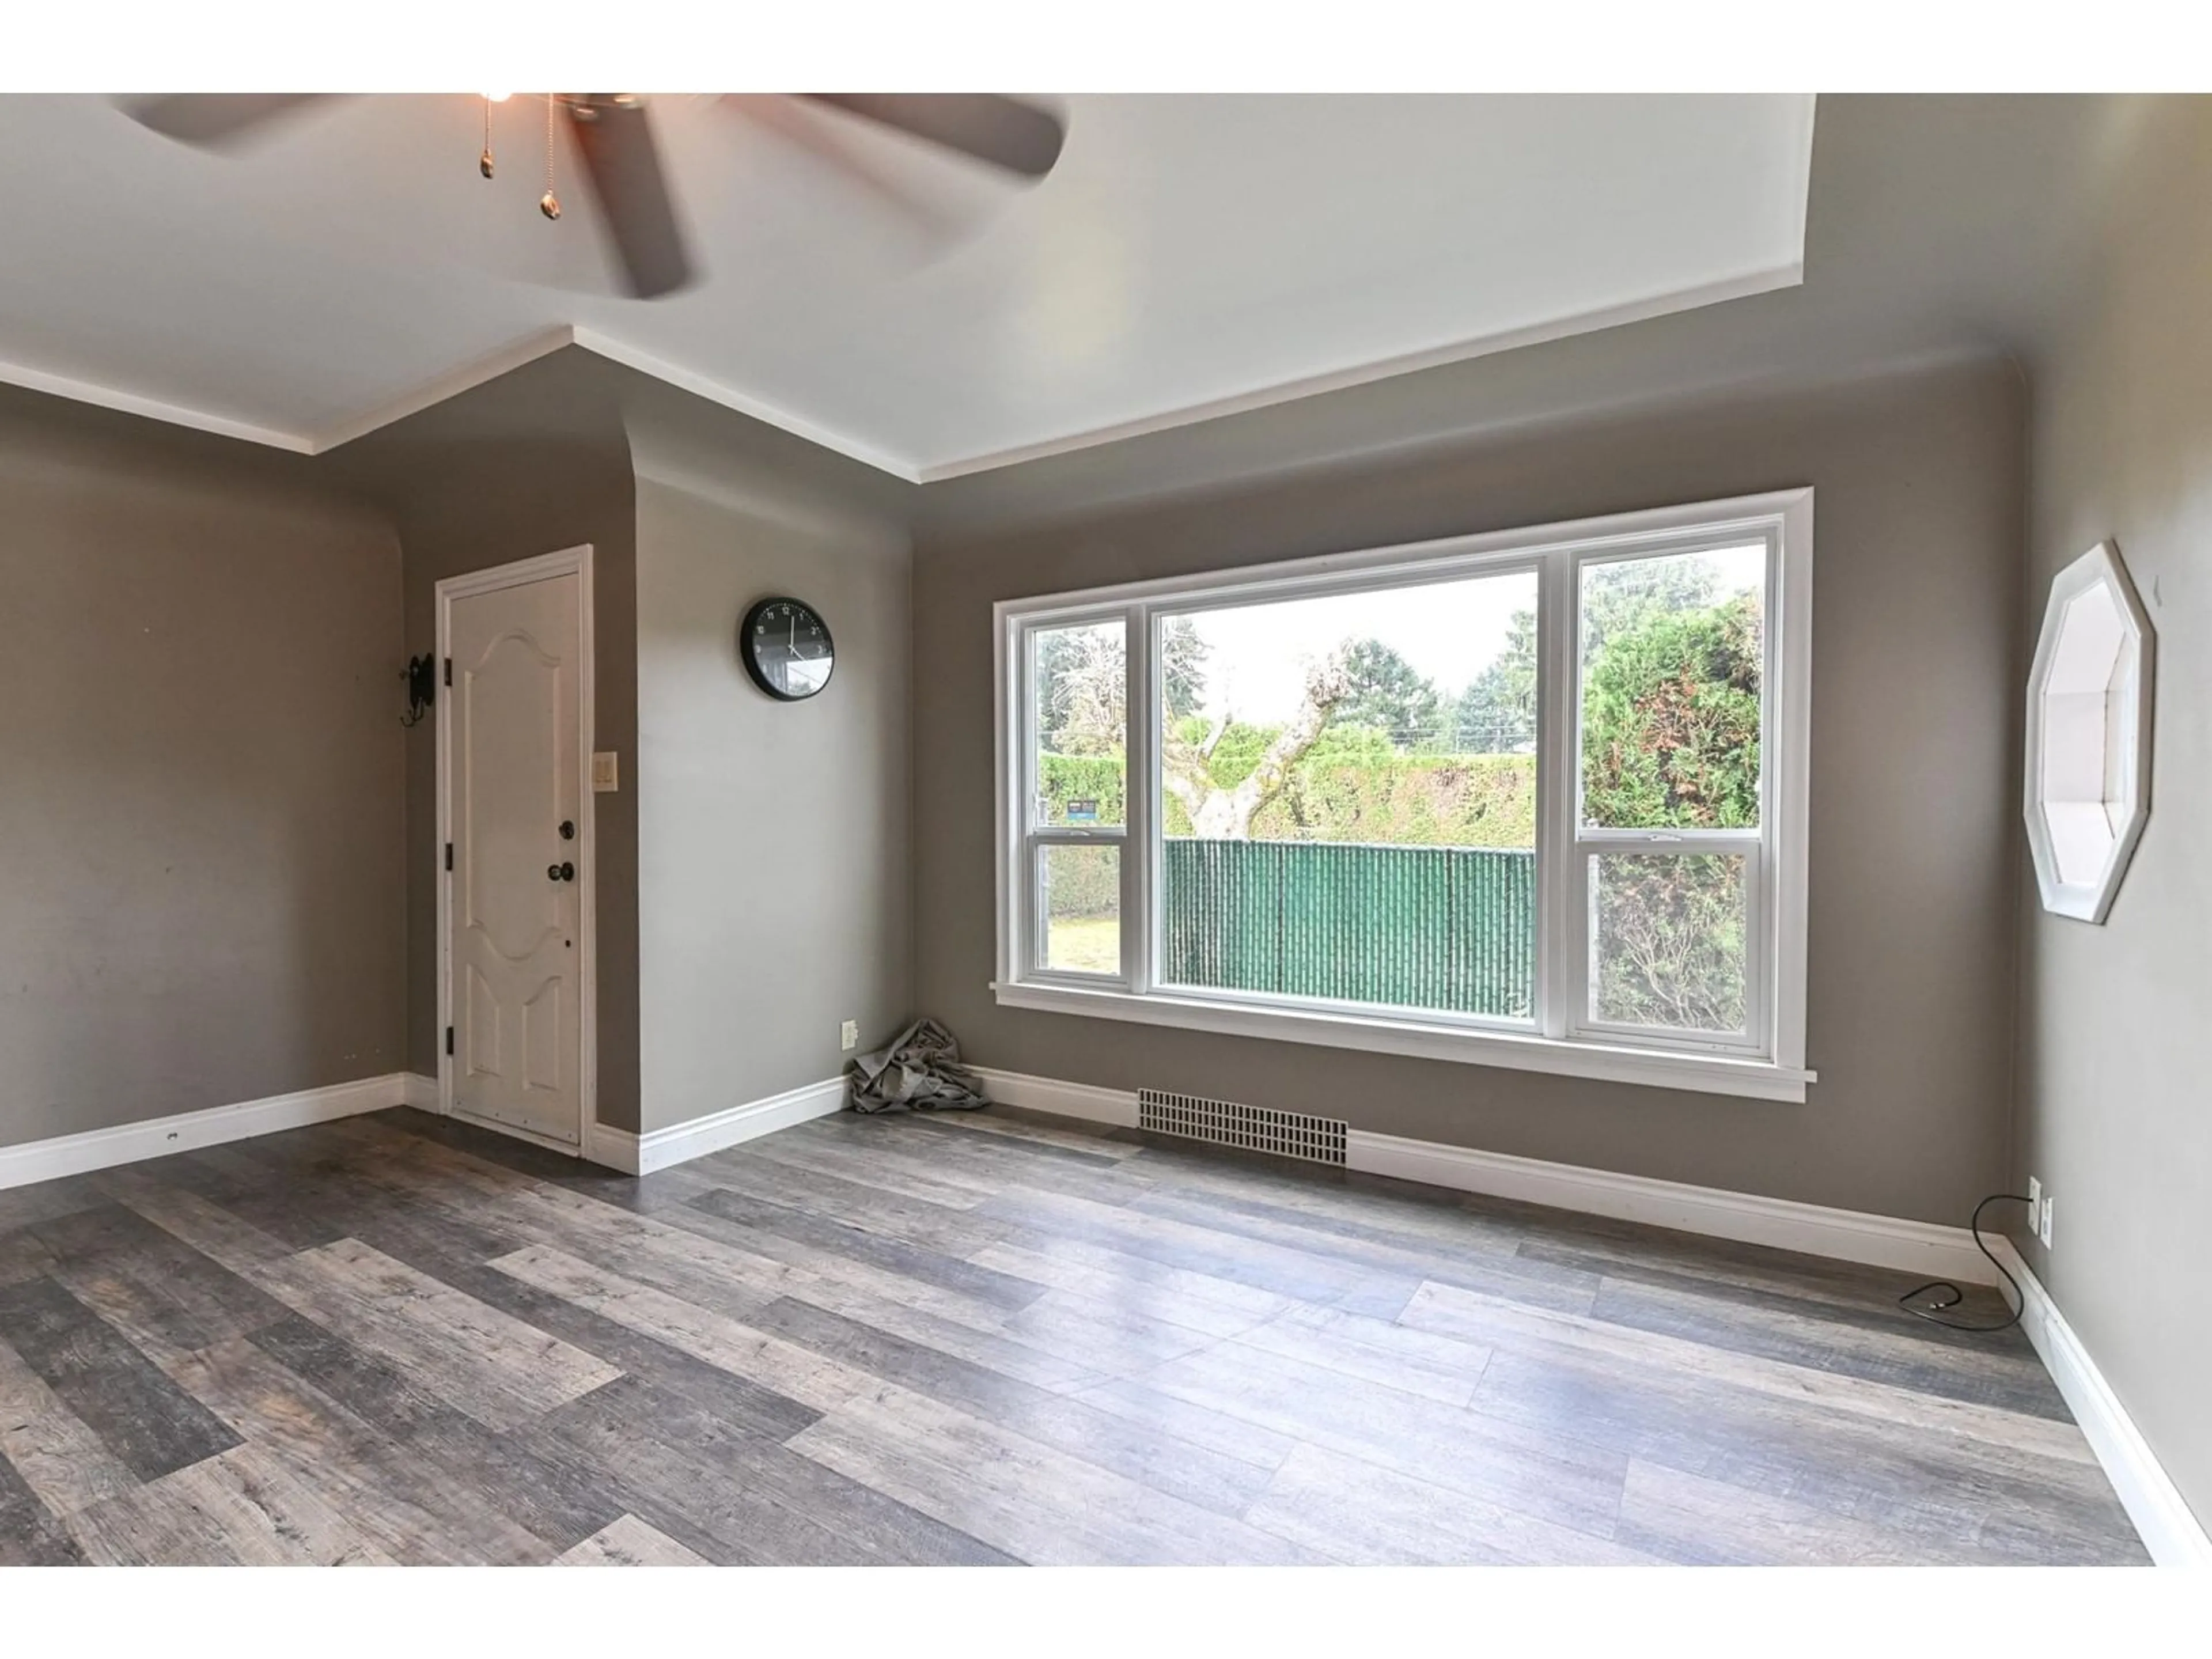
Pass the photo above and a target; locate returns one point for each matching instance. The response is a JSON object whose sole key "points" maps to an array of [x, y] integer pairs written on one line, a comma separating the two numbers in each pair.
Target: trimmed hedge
{"points": [[1082, 881], [1101, 778], [1414, 800], [1407, 800]]}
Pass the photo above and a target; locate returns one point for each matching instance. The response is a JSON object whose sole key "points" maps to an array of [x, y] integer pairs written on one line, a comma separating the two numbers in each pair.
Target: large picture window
{"points": [[1533, 800]]}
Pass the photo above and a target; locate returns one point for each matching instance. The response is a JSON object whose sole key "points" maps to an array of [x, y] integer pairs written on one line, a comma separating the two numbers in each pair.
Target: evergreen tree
{"points": [[1497, 713], [1082, 688], [1182, 668], [1387, 693]]}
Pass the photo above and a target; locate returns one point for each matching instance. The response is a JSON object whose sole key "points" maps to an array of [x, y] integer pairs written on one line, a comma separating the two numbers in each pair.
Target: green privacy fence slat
{"points": [[1451, 929]]}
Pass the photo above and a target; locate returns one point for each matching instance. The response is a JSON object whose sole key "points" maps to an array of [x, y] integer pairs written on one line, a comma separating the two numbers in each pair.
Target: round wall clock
{"points": [[787, 648]]}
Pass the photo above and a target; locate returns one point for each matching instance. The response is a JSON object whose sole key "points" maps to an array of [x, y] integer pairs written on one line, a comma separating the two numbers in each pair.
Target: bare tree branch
{"points": [[1184, 788], [1217, 814]]}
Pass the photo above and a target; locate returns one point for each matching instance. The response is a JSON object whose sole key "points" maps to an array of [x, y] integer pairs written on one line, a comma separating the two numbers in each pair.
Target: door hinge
{"points": [[449, 1039], [449, 855], [449, 671]]}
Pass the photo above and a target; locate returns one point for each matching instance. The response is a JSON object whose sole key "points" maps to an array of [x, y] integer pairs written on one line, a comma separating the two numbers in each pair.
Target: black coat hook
{"points": [[422, 689]]}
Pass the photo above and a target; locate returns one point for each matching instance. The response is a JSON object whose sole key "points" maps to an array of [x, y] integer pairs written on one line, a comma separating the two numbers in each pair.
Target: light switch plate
{"points": [[606, 777]]}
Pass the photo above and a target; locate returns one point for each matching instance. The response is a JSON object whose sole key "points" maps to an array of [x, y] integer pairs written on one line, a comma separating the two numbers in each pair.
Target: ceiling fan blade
{"points": [[851, 157], [1004, 131], [623, 164], [195, 117]]}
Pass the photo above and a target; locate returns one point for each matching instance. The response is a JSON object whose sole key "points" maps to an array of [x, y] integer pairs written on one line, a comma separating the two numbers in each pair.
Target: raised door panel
{"points": [[514, 781]]}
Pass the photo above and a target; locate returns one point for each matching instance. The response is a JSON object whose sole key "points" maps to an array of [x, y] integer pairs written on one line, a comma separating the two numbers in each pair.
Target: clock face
{"points": [[787, 648]]}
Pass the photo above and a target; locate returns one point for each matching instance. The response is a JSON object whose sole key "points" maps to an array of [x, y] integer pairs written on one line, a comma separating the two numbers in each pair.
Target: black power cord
{"points": [[1934, 1312]]}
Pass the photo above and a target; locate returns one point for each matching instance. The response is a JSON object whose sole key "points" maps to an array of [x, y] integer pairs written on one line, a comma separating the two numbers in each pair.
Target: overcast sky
{"points": [[1449, 631]]}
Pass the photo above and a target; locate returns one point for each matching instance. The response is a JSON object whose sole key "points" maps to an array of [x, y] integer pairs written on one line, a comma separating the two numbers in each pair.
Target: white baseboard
{"points": [[1814, 1230], [130, 1143], [1877, 1241], [611, 1148], [618, 1149], [2169, 1528], [1044, 1094], [422, 1092]]}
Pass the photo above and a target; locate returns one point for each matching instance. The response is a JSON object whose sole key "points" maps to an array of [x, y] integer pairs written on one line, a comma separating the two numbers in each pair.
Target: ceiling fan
{"points": [[613, 134]]}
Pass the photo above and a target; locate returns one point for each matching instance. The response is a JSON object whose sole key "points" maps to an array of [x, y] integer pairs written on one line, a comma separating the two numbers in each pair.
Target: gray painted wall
{"points": [[202, 763], [1933, 224], [2115, 1103], [529, 463], [774, 899], [1916, 586]]}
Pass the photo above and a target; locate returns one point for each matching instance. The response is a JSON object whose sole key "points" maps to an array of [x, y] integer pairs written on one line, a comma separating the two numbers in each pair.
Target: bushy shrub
{"points": [[1670, 723], [1670, 941]]}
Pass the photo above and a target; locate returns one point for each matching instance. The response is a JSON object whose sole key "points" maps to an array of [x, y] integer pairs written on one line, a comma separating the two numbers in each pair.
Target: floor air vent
{"points": [[1256, 1129]]}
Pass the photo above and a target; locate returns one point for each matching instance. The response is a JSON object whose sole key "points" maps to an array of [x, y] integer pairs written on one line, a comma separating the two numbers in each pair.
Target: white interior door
{"points": [[514, 894]]}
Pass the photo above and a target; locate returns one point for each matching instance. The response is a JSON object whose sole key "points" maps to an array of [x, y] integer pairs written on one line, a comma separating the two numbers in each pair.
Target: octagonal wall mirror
{"points": [[2088, 735]]}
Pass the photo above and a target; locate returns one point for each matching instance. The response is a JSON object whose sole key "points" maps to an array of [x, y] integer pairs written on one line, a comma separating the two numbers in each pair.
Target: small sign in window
{"points": [[1083, 811]]}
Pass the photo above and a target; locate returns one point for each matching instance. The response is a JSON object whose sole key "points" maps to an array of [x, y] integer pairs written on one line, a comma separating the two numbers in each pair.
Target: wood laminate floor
{"points": [[984, 1339]]}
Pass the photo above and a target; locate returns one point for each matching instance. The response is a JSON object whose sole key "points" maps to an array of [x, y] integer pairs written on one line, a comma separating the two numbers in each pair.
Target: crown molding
{"points": [[153, 409], [463, 377], [542, 343], [715, 392], [1457, 351], [454, 382]]}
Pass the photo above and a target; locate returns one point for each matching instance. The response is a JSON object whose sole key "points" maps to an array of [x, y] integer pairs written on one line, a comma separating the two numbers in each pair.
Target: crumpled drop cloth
{"points": [[919, 1072]]}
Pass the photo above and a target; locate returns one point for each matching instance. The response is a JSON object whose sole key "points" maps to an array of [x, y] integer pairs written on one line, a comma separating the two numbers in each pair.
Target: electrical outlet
{"points": [[848, 1035], [2034, 1204], [2044, 1226]]}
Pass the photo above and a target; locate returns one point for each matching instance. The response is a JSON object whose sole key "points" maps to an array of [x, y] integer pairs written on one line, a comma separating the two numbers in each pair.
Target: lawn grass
{"points": [[1084, 945]]}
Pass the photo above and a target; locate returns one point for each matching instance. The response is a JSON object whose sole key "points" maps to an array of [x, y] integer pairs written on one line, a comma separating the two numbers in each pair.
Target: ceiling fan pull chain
{"points": [[549, 204], [484, 162]]}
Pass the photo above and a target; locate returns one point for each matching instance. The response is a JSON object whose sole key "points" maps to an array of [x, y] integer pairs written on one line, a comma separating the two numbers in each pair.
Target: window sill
{"points": [[1718, 1074]]}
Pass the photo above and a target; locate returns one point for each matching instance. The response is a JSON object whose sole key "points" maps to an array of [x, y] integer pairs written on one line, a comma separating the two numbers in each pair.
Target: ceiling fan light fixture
{"points": [[549, 204], [621, 162]]}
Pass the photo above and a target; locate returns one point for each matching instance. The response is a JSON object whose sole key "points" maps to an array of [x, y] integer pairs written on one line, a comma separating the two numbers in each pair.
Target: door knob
{"points": [[568, 830], [560, 872]]}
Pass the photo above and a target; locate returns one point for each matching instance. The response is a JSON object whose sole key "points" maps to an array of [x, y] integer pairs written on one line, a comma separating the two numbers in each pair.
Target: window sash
{"points": [[1569, 990], [1564, 942], [1030, 920], [1582, 1018], [1037, 958]]}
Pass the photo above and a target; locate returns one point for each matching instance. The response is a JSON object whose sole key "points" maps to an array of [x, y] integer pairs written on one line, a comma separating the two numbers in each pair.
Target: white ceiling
{"points": [[1189, 256]]}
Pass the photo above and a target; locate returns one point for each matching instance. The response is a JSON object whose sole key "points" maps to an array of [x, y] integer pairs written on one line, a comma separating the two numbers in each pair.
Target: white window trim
{"points": [[1566, 1043]]}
